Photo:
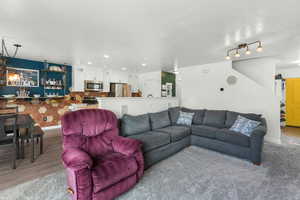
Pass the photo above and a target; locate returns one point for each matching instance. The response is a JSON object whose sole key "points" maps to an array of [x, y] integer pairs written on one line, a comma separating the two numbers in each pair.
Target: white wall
{"points": [[292, 72], [200, 88], [260, 70], [133, 80], [136, 106], [83, 72], [150, 83]]}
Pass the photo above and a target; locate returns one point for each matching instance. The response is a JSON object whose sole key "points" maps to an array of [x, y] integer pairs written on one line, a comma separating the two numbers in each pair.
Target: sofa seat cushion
{"points": [[232, 137], [204, 131], [152, 140], [132, 125], [160, 119], [176, 132], [112, 168]]}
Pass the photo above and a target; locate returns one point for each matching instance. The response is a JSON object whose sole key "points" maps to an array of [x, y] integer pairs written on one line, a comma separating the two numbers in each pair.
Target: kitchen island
{"points": [[46, 111]]}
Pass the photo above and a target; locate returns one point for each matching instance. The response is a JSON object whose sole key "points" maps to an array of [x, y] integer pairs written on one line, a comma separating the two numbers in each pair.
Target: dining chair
{"points": [[9, 138], [37, 135], [5, 110]]}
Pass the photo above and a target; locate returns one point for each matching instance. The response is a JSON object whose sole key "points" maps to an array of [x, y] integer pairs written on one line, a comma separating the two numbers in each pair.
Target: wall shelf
{"points": [[2, 75], [49, 71], [60, 76]]}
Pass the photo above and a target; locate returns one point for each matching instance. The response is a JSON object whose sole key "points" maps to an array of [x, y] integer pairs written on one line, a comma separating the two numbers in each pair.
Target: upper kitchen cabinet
{"points": [[117, 76], [113, 76], [82, 73]]}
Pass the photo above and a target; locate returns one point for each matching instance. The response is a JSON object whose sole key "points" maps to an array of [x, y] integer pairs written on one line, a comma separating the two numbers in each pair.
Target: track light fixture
{"points": [[237, 54], [244, 46], [248, 52], [259, 48]]}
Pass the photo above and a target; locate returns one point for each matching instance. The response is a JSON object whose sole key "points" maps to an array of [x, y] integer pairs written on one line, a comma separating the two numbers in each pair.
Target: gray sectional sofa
{"points": [[162, 136]]}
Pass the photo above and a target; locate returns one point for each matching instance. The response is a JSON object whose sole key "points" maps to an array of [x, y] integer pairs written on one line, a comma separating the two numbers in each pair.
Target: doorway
{"points": [[291, 102]]}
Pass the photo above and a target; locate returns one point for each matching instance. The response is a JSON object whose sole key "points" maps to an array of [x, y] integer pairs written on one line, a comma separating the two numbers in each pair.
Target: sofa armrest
{"points": [[257, 142], [260, 131], [126, 146], [77, 159]]}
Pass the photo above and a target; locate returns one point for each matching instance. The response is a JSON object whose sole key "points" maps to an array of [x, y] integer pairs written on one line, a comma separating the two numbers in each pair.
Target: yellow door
{"points": [[293, 102]]}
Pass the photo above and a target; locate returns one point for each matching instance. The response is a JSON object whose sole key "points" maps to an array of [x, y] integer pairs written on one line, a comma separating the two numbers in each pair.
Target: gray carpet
{"points": [[195, 173]]}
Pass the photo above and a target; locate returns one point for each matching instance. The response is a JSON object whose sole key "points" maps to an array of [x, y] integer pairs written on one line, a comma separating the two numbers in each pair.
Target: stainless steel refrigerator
{"points": [[120, 90]]}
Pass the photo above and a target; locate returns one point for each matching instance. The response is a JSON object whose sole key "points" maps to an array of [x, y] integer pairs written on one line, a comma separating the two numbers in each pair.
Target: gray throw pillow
{"points": [[198, 115], [185, 118], [160, 119], [132, 125], [244, 125], [231, 117]]}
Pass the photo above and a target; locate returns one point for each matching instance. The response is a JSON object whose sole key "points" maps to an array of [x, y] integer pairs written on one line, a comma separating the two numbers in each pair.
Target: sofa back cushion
{"points": [[174, 114], [231, 117], [132, 125], [215, 118], [160, 119]]}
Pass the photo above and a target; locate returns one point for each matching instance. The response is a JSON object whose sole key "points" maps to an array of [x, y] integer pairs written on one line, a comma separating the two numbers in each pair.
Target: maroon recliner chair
{"points": [[100, 164]]}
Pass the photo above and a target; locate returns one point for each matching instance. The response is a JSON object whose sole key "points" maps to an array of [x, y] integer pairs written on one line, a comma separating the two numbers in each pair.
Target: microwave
{"points": [[93, 86]]}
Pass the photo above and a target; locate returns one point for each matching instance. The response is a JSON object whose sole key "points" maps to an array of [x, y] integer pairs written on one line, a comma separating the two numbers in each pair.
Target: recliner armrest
{"points": [[126, 146], [77, 159]]}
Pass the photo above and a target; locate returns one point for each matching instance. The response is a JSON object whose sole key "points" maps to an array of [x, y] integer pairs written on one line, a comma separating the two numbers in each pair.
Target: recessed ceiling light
{"points": [[89, 63], [124, 68], [144, 64], [106, 56]]}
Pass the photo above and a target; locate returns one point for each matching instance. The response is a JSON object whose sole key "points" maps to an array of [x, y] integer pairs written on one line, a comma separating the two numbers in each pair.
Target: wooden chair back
{"points": [[12, 120]]}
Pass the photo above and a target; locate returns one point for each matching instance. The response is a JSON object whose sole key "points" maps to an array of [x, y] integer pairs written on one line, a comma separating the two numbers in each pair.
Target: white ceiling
{"points": [[152, 31]]}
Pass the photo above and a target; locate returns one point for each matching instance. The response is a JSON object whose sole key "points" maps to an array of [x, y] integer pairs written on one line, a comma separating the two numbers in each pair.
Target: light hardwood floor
{"points": [[291, 131], [45, 164]]}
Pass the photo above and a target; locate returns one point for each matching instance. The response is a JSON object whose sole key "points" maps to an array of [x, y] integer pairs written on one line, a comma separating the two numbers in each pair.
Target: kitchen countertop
{"points": [[54, 97], [135, 98]]}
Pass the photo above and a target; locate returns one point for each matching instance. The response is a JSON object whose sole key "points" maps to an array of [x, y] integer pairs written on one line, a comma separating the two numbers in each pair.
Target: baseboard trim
{"points": [[273, 140]]}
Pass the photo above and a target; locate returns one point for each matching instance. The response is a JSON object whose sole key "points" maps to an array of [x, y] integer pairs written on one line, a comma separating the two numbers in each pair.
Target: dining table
{"points": [[24, 121]]}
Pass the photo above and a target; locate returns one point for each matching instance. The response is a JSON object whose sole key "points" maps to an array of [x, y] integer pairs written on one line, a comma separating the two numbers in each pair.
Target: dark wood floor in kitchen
{"points": [[45, 164]]}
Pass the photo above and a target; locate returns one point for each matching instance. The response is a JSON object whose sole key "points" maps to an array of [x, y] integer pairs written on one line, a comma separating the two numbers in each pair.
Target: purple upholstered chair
{"points": [[100, 164]]}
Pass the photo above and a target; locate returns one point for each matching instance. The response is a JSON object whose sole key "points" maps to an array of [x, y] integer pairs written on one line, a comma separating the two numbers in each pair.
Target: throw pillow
{"points": [[185, 118], [244, 125]]}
